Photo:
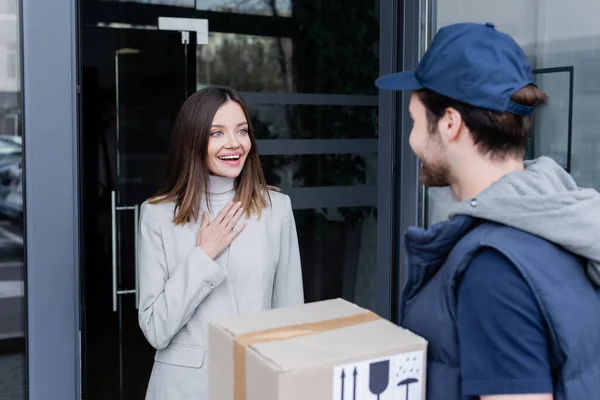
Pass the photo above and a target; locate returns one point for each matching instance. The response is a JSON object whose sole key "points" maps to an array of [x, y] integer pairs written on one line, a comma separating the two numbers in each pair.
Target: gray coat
{"points": [[182, 289]]}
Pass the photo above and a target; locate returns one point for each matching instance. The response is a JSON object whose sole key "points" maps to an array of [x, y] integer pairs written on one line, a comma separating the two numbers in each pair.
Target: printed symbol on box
{"points": [[408, 374], [342, 387], [354, 384], [399, 377], [343, 380], [407, 382], [379, 380]]}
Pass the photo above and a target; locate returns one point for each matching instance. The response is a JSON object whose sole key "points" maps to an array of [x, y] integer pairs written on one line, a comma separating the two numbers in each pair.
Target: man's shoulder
{"points": [[491, 268], [525, 250]]}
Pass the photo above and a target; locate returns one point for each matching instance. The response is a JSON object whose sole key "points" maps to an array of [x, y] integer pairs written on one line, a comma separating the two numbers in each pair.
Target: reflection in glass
{"points": [[313, 122], [327, 47], [552, 43], [552, 130], [320, 170], [265, 62], [334, 53], [276, 8], [12, 317], [338, 252]]}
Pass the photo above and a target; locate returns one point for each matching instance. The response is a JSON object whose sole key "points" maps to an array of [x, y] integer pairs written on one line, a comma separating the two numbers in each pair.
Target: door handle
{"points": [[115, 269]]}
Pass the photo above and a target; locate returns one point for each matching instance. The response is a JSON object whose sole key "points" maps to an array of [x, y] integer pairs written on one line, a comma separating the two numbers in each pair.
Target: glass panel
{"points": [[314, 122], [327, 47], [145, 171], [552, 124], [152, 86], [310, 65], [338, 250], [178, 3], [281, 8], [562, 41], [12, 293], [266, 62], [134, 82], [320, 170]]}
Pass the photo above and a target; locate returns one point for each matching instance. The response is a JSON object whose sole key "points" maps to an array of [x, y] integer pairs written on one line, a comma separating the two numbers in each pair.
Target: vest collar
{"points": [[428, 249]]}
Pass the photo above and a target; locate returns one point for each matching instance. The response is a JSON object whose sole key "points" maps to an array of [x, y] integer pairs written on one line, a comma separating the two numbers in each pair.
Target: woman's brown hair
{"points": [[187, 170]]}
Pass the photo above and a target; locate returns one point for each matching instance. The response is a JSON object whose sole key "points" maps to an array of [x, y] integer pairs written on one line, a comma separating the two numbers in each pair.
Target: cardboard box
{"points": [[329, 350]]}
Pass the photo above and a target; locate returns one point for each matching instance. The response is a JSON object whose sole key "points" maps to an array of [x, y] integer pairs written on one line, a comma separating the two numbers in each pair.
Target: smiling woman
{"points": [[241, 256], [211, 129], [229, 142]]}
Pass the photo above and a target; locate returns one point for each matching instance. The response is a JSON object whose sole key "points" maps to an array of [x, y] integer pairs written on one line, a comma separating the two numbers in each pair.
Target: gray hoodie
{"points": [[545, 201]]}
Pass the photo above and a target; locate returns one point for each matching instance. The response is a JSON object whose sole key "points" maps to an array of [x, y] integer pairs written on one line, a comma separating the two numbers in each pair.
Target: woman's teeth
{"points": [[230, 158]]}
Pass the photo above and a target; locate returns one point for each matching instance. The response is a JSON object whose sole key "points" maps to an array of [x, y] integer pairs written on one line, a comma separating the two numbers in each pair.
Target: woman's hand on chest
{"points": [[214, 237]]}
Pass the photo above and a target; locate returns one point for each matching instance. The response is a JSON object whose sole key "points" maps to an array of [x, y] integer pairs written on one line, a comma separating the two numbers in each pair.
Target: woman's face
{"points": [[229, 141]]}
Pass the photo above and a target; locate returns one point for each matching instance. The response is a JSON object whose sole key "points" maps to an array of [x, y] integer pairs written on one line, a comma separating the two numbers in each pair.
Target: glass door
{"points": [[306, 68], [135, 80]]}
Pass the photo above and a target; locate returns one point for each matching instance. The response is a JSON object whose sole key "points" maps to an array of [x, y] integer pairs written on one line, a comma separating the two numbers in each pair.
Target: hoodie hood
{"points": [[544, 200]]}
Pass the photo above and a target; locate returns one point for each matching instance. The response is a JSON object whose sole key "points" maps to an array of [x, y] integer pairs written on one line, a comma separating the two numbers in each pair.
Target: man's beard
{"points": [[435, 174]]}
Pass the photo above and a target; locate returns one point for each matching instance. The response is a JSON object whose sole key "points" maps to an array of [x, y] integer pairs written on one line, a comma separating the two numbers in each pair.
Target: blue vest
{"points": [[570, 304]]}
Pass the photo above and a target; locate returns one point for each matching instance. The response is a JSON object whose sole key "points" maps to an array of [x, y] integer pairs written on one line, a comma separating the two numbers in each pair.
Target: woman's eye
{"points": [[216, 133], [242, 132]]}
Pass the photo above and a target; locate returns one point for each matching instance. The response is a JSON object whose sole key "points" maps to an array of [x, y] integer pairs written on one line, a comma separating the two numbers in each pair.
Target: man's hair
{"points": [[496, 134]]}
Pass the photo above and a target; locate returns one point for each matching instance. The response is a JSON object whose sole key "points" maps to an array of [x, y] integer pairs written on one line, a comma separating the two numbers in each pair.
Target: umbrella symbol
{"points": [[407, 382]]}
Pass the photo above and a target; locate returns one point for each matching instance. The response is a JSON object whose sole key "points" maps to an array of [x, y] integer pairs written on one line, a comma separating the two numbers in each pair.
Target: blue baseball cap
{"points": [[472, 63]]}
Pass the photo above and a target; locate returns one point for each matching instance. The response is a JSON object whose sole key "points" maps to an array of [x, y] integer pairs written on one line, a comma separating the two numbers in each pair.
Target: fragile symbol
{"points": [[379, 377]]}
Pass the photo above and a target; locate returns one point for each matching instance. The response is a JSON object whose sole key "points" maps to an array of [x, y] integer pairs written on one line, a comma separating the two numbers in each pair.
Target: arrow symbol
{"points": [[343, 378], [354, 384]]}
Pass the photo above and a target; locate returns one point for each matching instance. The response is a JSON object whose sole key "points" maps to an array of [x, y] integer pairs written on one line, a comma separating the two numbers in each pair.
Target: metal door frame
{"points": [[417, 19], [405, 31], [390, 28], [49, 82]]}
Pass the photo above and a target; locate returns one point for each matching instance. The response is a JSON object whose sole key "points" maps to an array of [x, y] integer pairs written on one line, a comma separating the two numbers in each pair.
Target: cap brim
{"points": [[399, 81]]}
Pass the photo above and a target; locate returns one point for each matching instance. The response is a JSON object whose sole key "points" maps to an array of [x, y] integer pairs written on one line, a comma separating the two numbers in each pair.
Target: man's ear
{"points": [[450, 125]]}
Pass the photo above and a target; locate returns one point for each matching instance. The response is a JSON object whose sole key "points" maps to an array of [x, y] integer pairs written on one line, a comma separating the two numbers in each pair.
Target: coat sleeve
{"points": [[288, 289], [167, 302]]}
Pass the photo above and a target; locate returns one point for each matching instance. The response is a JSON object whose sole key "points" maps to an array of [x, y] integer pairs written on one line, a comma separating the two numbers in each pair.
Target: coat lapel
{"points": [[236, 249]]}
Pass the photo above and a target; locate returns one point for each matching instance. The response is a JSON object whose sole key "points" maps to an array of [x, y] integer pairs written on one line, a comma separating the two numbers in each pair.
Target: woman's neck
{"points": [[220, 184], [221, 190]]}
